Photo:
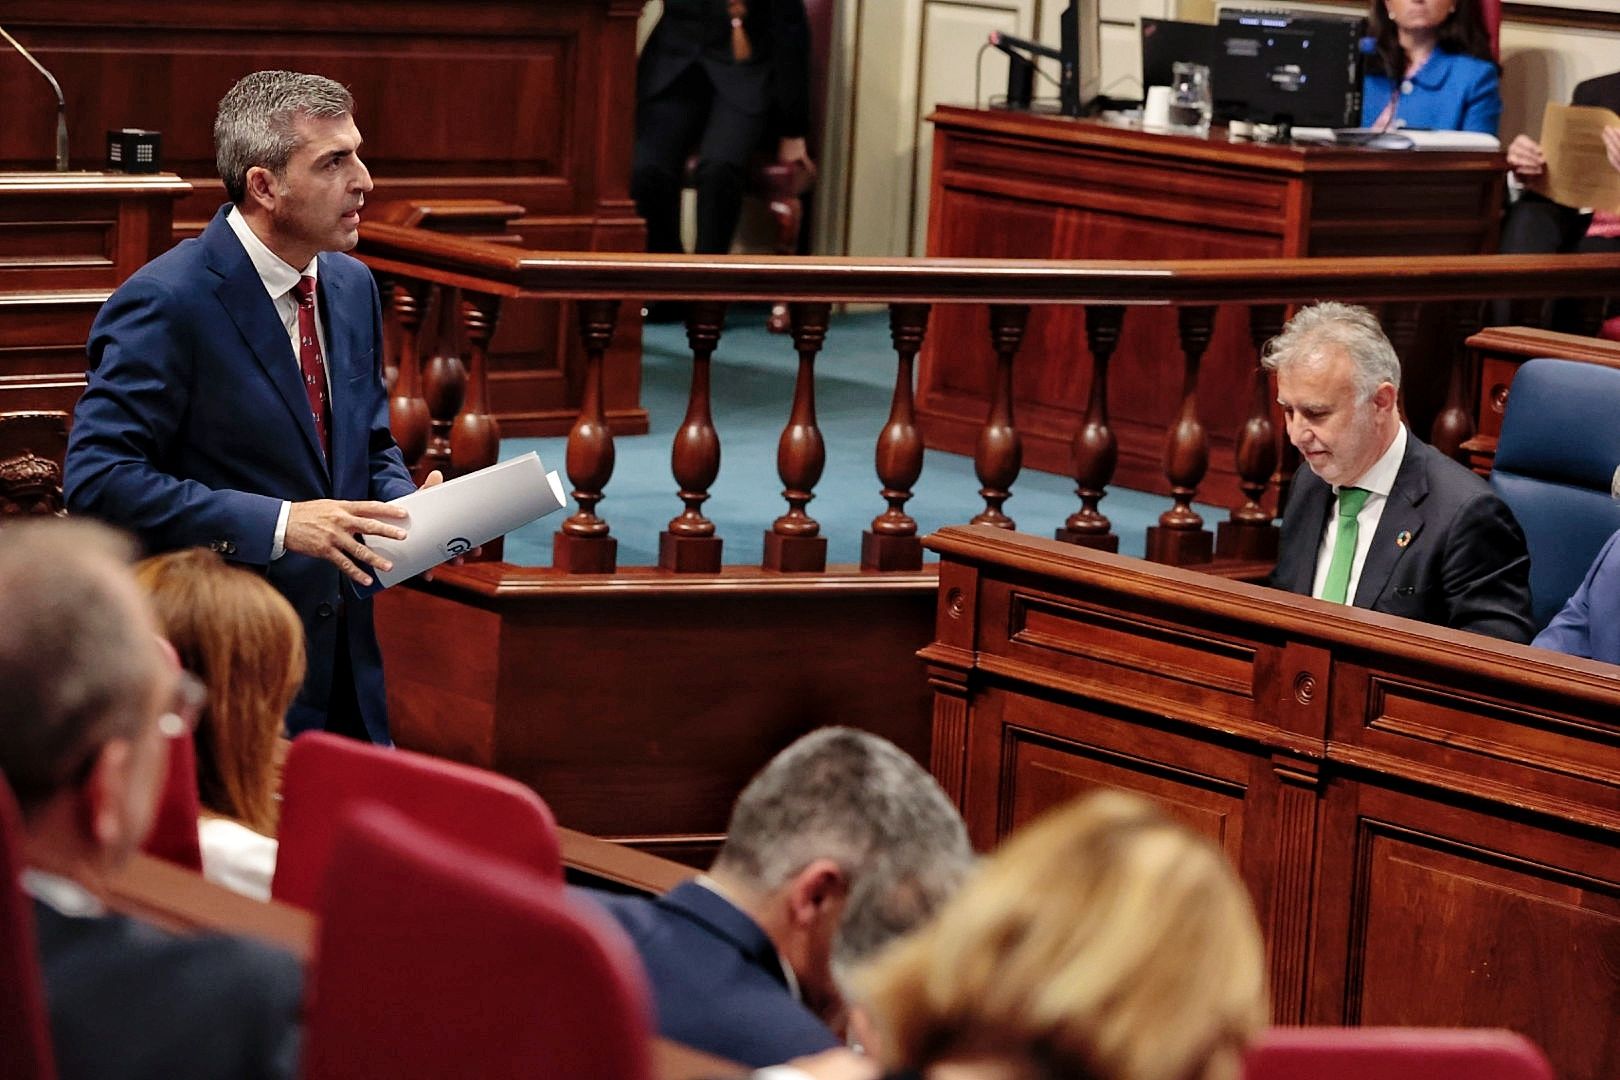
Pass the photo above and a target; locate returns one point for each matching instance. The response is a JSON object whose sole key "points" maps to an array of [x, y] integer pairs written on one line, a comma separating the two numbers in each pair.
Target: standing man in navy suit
{"points": [[235, 396], [1382, 520]]}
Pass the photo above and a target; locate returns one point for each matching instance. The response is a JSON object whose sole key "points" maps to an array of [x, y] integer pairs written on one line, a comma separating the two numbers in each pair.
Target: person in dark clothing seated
{"points": [[90, 695], [841, 843]]}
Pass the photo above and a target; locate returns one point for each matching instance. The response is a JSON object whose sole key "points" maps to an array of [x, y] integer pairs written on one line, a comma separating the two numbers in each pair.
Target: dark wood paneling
{"points": [[1429, 820]]}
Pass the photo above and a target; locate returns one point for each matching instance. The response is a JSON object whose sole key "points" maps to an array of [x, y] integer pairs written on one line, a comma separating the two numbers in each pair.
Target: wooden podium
{"points": [[67, 240], [1019, 186]]}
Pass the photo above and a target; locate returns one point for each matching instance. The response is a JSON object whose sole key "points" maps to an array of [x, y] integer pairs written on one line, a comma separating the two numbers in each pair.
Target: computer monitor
{"points": [[1167, 42], [1299, 68]]}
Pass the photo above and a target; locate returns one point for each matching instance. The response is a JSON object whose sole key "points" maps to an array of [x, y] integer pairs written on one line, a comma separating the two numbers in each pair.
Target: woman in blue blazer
{"points": [[1432, 68]]}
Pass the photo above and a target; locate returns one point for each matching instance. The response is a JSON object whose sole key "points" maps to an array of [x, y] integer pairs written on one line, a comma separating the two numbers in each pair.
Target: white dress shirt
{"points": [[236, 857], [280, 279], [1379, 481]]}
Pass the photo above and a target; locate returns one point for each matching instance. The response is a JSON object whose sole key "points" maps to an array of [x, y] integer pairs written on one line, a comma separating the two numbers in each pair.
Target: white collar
{"points": [[1380, 477], [787, 969], [67, 896], [278, 276]]}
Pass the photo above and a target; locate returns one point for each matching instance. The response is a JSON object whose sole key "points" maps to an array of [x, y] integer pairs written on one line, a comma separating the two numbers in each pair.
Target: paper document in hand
{"points": [[456, 516], [1578, 170]]}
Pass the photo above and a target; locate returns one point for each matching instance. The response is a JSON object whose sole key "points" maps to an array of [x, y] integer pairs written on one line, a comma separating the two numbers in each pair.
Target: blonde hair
{"points": [[1104, 941], [241, 637]]}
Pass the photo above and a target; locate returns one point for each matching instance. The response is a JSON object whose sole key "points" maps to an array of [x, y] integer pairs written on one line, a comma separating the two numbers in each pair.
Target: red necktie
{"points": [[309, 360]]}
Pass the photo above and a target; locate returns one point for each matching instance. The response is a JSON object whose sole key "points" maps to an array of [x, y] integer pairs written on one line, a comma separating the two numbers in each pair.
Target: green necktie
{"points": [[1351, 500]]}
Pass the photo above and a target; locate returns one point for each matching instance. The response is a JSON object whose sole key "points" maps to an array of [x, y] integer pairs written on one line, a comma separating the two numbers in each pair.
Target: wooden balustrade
{"points": [[486, 274]]}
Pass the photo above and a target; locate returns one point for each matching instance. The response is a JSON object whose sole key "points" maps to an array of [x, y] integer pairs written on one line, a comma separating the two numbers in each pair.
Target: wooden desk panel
{"points": [[1429, 821], [1020, 186]]}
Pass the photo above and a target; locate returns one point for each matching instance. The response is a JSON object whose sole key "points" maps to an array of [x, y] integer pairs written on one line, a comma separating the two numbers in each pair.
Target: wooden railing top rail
{"points": [[514, 272], [1299, 618]]}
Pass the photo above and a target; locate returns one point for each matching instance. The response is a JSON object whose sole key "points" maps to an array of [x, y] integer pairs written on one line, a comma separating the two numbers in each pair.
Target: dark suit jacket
{"points": [[195, 426], [1575, 630], [1464, 564], [777, 77], [130, 1002], [715, 977], [1603, 90]]}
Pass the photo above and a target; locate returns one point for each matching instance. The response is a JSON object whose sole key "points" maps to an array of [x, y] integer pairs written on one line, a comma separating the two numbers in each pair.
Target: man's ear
{"points": [[106, 792], [1384, 397], [819, 883], [262, 187]]}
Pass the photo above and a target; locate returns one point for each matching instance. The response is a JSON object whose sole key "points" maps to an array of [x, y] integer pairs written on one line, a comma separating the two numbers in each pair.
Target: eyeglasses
{"points": [[190, 696]]}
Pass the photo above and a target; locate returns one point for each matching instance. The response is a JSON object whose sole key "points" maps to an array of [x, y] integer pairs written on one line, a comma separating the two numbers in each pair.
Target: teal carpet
{"points": [[752, 376]]}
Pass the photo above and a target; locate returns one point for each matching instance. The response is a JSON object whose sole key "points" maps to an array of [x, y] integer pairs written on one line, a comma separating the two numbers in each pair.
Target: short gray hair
{"points": [[75, 666], [255, 122], [1349, 327], [859, 800]]}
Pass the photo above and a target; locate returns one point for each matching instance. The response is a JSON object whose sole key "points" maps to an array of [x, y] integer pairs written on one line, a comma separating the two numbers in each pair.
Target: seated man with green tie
{"points": [[1381, 520]]}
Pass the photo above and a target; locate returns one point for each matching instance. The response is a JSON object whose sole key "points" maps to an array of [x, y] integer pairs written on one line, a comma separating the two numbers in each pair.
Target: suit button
{"points": [[324, 611]]}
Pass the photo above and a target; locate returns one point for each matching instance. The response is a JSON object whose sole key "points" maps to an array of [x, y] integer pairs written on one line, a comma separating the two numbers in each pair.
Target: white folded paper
{"points": [[456, 516], [1399, 139]]}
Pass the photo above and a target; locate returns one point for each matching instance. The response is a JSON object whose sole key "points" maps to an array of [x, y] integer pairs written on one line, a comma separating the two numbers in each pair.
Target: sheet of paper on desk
{"points": [[456, 516], [1578, 171], [1398, 139]]}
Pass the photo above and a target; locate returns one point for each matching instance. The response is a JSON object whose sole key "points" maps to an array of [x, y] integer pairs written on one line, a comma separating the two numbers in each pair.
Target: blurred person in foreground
{"points": [[1102, 942], [242, 638], [90, 695], [839, 844]]}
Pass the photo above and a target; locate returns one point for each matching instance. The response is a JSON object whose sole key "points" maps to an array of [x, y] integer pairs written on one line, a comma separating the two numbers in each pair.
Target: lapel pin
{"points": [[1404, 538]]}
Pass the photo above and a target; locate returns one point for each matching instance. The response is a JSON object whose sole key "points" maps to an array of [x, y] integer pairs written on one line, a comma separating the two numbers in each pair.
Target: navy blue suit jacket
{"points": [[130, 1002], [716, 979], [1589, 623], [194, 427], [1462, 562]]}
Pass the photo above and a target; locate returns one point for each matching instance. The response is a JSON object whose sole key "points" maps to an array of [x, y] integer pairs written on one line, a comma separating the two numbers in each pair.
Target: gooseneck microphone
{"points": [[61, 102], [1007, 43]]}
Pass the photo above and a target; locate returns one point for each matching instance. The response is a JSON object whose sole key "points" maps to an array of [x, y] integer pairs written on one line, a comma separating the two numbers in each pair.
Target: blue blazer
{"points": [[194, 427], [1450, 92], [1447, 550], [1574, 630], [716, 979]]}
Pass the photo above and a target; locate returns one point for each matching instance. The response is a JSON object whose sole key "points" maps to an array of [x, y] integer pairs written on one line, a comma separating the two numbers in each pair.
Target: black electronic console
{"points": [[1290, 68]]}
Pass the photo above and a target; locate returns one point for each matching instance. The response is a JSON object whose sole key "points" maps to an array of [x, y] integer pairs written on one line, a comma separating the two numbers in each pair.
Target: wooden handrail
{"points": [[505, 271]]}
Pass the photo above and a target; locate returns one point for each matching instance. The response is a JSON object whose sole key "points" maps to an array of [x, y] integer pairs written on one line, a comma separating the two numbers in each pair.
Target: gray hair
{"points": [[255, 122], [75, 664], [861, 801], [1327, 325]]}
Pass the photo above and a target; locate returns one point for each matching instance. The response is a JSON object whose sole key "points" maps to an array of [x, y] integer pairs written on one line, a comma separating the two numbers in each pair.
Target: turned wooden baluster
{"points": [[1095, 450], [793, 542], [1454, 423], [582, 545], [407, 409], [390, 328], [444, 382], [475, 437], [892, 542], [689, 545], [1401, 320], [1000, 452], [1180, 538], [1249, 534]]}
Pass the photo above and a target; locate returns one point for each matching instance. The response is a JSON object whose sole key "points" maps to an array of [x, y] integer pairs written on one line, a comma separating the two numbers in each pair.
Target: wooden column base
{"points": [[795, 554], [1096, 541], [1246, 542], [883, 552], [689, 554], [1179, 547], [578, 555]]}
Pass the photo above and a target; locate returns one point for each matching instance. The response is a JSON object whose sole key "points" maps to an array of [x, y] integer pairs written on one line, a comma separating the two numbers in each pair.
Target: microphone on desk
{"points": [[1007, 43], [61, 102]]}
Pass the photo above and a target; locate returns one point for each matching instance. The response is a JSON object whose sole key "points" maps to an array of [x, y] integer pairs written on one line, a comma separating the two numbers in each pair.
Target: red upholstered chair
{"points": [[323, 773], [174, 829], [438, 960], [1390, 1053], [25, 1039], [1490, 12]]}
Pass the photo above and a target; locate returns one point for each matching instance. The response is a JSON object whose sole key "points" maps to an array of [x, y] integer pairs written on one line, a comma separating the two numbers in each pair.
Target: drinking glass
{"points": [[1191, 100]]}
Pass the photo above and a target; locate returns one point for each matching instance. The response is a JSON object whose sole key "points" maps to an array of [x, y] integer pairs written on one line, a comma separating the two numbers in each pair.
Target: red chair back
{"points": [[439, 960], [1490, 14], [1392, 1053], [25, 1038], [174, 828], [324, 773]]}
